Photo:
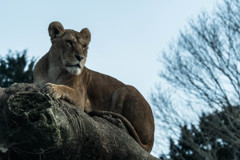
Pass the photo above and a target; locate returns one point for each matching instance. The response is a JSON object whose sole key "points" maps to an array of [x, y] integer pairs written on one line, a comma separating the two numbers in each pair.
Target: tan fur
{"points": [[63, 75]]}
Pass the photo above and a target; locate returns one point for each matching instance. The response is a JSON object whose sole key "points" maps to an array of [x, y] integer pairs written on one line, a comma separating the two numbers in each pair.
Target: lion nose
{"points": [[79, 57]]}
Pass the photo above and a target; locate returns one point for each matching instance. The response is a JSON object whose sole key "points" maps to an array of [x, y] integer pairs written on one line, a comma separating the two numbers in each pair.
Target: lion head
{"points": [[71, 46]]}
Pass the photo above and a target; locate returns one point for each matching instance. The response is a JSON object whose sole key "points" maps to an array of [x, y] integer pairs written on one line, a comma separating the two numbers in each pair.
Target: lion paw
{"points": [[52, 90]]}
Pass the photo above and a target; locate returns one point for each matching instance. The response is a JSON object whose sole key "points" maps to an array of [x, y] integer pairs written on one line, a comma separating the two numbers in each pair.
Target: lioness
{"points": [[62, 73]]}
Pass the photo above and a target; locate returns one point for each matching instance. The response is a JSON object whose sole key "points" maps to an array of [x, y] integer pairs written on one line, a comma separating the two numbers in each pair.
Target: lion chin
{"points": [[74, 70]]}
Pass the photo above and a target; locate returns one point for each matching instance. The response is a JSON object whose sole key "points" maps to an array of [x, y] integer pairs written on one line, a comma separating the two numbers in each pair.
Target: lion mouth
{"points": [[76, 65]]}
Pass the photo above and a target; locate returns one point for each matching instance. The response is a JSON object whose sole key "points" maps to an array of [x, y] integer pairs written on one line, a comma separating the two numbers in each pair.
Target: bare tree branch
{"points": [[201, 70]]}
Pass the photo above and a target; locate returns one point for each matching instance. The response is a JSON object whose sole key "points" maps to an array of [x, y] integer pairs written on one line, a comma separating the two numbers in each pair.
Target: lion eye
{"points": [[69, 43]]}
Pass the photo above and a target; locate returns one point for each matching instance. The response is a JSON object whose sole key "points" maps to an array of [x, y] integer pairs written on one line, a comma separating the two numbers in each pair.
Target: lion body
{"points": [[63, 75]]}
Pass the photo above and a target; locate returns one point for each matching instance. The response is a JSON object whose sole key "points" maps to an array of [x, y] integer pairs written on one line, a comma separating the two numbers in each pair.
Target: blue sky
{"points": [[127, 36]]}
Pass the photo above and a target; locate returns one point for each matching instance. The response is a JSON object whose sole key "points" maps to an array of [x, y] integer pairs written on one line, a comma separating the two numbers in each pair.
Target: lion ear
{"points": [[55, 29], [85, 35]]}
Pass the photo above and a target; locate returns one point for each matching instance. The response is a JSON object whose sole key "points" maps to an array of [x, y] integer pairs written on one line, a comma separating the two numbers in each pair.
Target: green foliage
{"points": [[15, 68]]}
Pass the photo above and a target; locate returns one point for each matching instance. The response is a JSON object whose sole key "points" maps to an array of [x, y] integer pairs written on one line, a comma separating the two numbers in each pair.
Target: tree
{"points": [[216, 138], [35, 126], [201, 68], [15, 68]]}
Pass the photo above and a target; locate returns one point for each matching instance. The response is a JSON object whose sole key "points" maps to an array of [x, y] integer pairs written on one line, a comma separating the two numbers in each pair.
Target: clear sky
{"points": [[127, 35]]}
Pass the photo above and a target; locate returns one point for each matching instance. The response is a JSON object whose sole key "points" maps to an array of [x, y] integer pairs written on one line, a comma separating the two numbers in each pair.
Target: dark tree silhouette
{"points": [[16, 68], [202, 70], [217, 137]]}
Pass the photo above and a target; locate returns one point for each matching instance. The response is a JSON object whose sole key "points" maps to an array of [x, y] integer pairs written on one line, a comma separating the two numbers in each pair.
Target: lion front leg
{"points": [[53, 90], [63, 92]]}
